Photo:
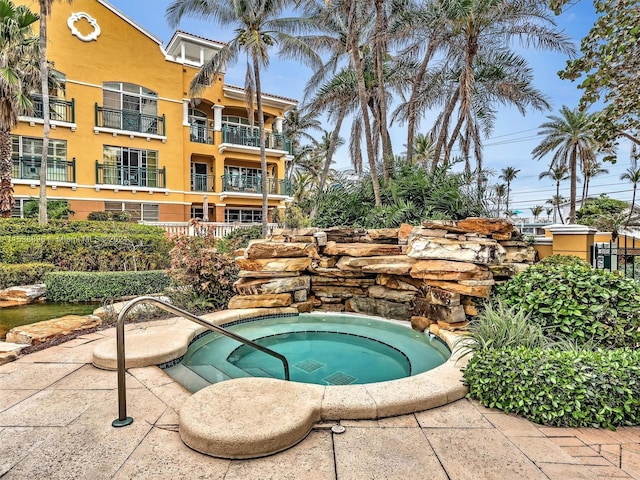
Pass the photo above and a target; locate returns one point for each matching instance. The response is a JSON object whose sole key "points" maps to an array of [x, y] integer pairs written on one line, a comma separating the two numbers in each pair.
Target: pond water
{"points": [[17, 315]]}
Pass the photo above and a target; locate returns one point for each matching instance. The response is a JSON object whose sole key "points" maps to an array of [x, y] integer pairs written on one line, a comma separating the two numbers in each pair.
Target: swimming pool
{"points": [[321, 348]]}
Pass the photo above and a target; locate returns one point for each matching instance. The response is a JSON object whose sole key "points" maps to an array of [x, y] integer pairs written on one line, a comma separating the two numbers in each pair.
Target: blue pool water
{"points": [[325, 349]]}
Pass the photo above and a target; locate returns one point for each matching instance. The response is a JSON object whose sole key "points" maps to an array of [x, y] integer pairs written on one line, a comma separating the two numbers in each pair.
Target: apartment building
{"points": [[127, 136]]}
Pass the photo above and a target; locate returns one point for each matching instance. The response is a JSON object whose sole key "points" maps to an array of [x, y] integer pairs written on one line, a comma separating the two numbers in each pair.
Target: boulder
{"points": [[303, 307], [520, 254], [24, 293], [300, 296], [507, 270], [453, 326], [361, 249], [399, 282], [420, 323], [347, 235], [327, 262], [481, 291], [266, 274], [389, 269], [487, 226], [449, 270], [438, 296], [336, 272], [482, 251], [332, 307], [343, 282], [384, 235], [440, 313], [260, 301], [267, 249], [246, 286], [359, 263], [332, 291], [380, 308], [378, 291], [48, 330], [274, 264], [448, 225]]}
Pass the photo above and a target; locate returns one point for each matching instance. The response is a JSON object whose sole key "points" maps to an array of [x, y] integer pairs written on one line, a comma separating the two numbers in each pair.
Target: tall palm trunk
{"points": [[444, 128], [263, 153], [411, 104], [6, 190], [380, 49], [633, 202], [44, 83], [573, 165], [362, 96], [557, 209], [329, 158]]}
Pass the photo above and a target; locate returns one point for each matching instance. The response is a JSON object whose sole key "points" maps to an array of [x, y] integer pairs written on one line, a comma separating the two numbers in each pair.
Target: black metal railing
{"points": [[250, 137], [129, 120], [201, 182], [621, 255], [201, 134], [59, 109], [251, 183], [130, 176], [28, 168]]}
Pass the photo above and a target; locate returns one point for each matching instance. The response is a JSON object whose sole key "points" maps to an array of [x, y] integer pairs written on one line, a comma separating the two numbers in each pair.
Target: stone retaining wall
{"points": [[433, 273]]}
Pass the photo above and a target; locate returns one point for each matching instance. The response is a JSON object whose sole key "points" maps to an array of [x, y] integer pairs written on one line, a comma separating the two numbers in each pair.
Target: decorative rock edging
{"points": [[48, 330]]}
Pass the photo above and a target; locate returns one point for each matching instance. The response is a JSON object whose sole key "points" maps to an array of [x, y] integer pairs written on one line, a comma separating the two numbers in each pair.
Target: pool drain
{"points": [[338, 429]]}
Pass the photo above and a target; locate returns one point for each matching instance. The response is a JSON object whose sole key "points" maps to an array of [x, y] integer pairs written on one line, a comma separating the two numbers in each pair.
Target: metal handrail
{"points": [[122, 419]]}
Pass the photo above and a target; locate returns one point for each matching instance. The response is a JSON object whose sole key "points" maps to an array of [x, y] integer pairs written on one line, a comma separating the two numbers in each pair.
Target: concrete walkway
{"points": [[55, 423]]}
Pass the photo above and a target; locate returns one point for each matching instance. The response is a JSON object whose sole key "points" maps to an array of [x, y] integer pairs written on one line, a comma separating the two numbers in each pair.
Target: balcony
{"points": [[129, 121], [127, 176], [60, 109], [253, 184], [201, 134], [202, 183], [28, 168], [246, 136]]}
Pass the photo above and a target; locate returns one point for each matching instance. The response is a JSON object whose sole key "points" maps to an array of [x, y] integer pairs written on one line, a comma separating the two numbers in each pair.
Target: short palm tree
{"points": [[259, 24], [500, 190], [633, 175], [537, 210], [590, 170], [508, 175], [557, 201], [557, 174], [19, 76], [570, 137]]}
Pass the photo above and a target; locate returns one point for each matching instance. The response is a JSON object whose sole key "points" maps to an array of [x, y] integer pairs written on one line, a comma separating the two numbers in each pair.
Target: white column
{"points": [[217, 117], [182, 52], [277, 124], [201, 56], [185, 112]]}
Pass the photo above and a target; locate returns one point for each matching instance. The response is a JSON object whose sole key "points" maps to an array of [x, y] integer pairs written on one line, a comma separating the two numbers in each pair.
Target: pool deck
{"points": [[56, 411]]}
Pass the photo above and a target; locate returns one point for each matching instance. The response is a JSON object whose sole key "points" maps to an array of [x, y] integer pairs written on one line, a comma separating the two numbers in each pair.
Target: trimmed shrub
{"points": [[239, 238], [578, 302], [12, 275], [89, 252], [564, 388], [564, 260], [92, 286], [210, 274], [26, 226]]}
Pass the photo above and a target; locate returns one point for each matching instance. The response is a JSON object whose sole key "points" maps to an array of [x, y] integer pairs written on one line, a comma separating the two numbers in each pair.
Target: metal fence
{"points": [[621, 255]]}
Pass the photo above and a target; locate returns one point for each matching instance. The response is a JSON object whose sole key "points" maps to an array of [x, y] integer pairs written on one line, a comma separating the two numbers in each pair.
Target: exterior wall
{"points": [[125, 53], [544, 249]]}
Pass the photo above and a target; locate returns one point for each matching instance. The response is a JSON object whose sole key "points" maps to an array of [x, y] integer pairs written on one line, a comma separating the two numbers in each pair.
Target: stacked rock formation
{"points": [[433, 273]]}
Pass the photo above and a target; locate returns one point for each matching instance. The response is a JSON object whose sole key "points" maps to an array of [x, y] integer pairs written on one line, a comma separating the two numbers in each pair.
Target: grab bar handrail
{"points": [[122, 419]]}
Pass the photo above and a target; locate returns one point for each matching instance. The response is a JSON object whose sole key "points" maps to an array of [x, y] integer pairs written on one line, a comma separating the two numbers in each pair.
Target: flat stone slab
{"points": [[24, 293], [41, 332], [9, 351], [249, 417]]}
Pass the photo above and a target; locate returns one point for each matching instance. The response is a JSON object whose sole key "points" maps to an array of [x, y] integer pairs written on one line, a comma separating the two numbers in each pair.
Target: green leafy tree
{"points": [[608, 69], [19, 76], [259, 25], [570, 137]]}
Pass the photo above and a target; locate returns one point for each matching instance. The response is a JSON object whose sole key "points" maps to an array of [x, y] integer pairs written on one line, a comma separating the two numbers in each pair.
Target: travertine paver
{"points": [[56, 411]]}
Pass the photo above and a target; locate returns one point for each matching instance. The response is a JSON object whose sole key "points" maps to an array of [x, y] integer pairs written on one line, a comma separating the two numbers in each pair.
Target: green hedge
{"points": [[565, 388], [23, 274], [91, 286], [578, 302], [24, 226], [89, 252]]}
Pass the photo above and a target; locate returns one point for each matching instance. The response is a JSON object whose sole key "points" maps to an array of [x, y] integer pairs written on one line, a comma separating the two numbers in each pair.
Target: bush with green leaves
{"points": [[89, 251], [238, 238], [565, 388], [564, 260], [12, 275], [28, 226], [92, 286], [56, 209], [210, 275], [578, 302]]}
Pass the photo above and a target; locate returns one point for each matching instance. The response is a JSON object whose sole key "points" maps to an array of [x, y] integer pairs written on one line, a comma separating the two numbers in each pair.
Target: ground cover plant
{"points": [[558, 344]]}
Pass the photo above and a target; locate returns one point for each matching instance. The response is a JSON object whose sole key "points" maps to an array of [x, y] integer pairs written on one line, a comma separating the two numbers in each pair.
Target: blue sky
{"points": [[514, 135]]}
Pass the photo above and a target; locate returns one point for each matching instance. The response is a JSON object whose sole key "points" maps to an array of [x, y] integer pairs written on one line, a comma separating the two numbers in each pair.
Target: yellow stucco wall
{"points": [[124, 53]]}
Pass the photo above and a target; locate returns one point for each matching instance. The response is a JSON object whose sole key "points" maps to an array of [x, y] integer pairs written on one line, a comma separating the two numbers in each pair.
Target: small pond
{"points": [[15, 316]]}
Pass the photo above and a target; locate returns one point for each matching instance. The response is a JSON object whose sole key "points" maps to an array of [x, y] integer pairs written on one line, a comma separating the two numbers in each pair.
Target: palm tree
{"points": [[19, 76], [258, 26], [557, 174], [570, 137], [537, 210], [557, 201], [590, 170], [548, 211], [633, 175], [508, 175], [500, 190], [422, 150]]}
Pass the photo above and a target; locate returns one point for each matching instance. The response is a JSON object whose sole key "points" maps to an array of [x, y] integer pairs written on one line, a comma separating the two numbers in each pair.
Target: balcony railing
{"points": [[253, 184], [28, 168], [201, 182], [60, 109], [130, 121], [239, 135], [130, 176], [201, 134]]}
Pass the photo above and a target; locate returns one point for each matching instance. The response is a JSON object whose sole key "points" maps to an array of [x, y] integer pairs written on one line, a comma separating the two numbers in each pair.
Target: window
{"points": [[130, 107], [27, 156], [130, 166], [198, 126], [242, 215], [242, 179], [149, 212]]}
